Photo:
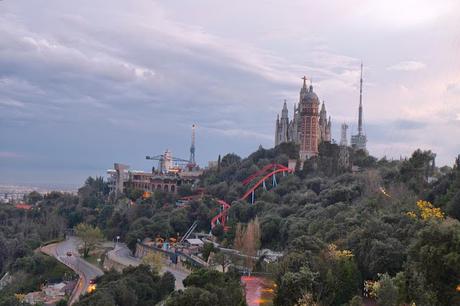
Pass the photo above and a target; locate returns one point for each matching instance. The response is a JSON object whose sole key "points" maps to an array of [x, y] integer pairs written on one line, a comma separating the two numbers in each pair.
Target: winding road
{"points": [[122, 254], [87, 271], [84, 269]]}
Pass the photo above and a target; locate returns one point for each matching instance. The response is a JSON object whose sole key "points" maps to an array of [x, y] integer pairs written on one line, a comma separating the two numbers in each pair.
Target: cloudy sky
{"points": [[86, 83]]}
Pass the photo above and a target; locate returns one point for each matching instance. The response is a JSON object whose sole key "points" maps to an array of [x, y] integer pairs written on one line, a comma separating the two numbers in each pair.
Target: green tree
{"points": [[387, 292], [62, 303], [136, 286], [435, 256], [193, 296], [208, 248], [33, 197], [356, 301], [417, 169], [134, 194], [89, 235], [293, 285], [210, 287], [229, 160]]}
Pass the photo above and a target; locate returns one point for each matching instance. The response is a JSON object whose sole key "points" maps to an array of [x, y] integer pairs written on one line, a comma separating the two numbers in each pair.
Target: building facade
{"points": [[309, 125], [121, 178]]}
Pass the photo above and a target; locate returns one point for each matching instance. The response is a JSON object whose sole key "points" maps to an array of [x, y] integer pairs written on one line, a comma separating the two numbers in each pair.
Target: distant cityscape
{"points": [[15, 193]]}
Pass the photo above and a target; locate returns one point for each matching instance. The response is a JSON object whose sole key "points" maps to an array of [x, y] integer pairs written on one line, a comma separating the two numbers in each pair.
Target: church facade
{"points": [[309, 125]]}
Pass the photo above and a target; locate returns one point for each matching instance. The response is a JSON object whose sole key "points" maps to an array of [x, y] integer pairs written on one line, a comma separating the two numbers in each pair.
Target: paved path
{"points": [[85, 270], [122, 255]]}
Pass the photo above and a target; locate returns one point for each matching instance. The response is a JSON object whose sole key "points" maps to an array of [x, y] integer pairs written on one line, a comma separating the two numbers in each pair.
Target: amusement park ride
{"points": [[169, 164], [260, 178]]}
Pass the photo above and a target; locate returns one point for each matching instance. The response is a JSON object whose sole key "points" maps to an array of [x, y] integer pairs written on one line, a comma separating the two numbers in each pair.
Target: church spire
{"points": [[304, 78], [284, 112]]}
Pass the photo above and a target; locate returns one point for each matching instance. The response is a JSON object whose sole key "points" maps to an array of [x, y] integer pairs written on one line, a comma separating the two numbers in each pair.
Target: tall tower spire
{"points": [[359, 140], [360, 119], [192, 148]]}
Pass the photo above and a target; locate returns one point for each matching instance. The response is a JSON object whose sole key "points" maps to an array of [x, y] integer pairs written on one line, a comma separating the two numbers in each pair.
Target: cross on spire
{"points": [[304, 78]]}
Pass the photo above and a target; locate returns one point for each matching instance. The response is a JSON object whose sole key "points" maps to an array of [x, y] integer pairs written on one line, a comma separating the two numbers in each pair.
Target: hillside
{"points": [[393, 224]]}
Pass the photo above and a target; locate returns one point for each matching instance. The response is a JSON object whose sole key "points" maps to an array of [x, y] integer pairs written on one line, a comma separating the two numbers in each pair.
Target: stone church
{"points": [[309, 125]]}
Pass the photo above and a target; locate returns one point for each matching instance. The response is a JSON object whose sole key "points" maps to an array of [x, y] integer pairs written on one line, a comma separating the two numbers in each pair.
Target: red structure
{"points": [[272, 169], [23, 206], [267, 168], [262, 181], [221, 217]]}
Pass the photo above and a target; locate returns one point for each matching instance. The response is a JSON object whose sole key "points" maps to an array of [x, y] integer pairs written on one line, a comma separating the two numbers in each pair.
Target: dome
{"points": [[310, 96]]}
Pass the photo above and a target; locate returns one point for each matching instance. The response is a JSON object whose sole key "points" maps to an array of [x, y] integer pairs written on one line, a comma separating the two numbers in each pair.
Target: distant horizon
{"points": [[74, 185]]}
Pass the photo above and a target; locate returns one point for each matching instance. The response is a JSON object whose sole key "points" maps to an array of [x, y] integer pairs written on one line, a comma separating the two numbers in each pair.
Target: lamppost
{"points": [[115, 242]]}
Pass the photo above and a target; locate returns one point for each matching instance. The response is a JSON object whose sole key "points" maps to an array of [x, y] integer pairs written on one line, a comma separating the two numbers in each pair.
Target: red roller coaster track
{"points": [[221, 218], [262, 180], [269, 167]]}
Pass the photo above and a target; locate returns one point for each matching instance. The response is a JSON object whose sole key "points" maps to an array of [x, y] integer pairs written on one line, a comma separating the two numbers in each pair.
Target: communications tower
{"points": [[359, 140], [192, 162]]}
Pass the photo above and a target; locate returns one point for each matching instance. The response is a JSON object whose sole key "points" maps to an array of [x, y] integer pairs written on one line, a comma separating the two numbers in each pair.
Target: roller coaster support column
{"points": [[265, 186], [274, 180], [252, 196]]}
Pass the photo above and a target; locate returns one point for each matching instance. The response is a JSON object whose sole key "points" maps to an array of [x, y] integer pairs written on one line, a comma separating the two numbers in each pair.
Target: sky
{"points": [[84, 84]]}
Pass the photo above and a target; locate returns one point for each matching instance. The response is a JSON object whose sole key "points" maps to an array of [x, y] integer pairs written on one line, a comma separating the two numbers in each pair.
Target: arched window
{"points": [[165, 188], [173, 188]]}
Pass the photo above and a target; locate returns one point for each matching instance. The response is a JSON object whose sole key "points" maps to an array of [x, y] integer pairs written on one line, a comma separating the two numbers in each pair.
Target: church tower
{"points": [[309, 125], [282, 126], [324, 125], [277, 127], [309, 120]]}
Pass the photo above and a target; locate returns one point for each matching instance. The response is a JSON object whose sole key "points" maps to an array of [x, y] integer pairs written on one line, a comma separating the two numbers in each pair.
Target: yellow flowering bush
{"points": [[332, 248], [427, 211]]}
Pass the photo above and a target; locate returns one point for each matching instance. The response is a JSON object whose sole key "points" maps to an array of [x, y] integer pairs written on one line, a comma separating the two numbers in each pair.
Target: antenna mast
{"points": [[192, 148], [360, 120]]}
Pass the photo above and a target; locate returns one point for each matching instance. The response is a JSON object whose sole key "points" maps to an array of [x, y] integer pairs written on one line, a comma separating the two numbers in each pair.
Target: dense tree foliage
{"points": [[209, 288], [375, 214], [30, 272], [140, 286], [335, 227]]}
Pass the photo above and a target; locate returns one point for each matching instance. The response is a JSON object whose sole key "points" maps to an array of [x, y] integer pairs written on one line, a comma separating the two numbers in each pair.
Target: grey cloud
{"points": [[128, 78], [405, 124]]}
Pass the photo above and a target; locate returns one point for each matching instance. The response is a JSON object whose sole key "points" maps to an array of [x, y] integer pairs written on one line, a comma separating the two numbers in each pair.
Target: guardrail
{"points": [[140, 252]]}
